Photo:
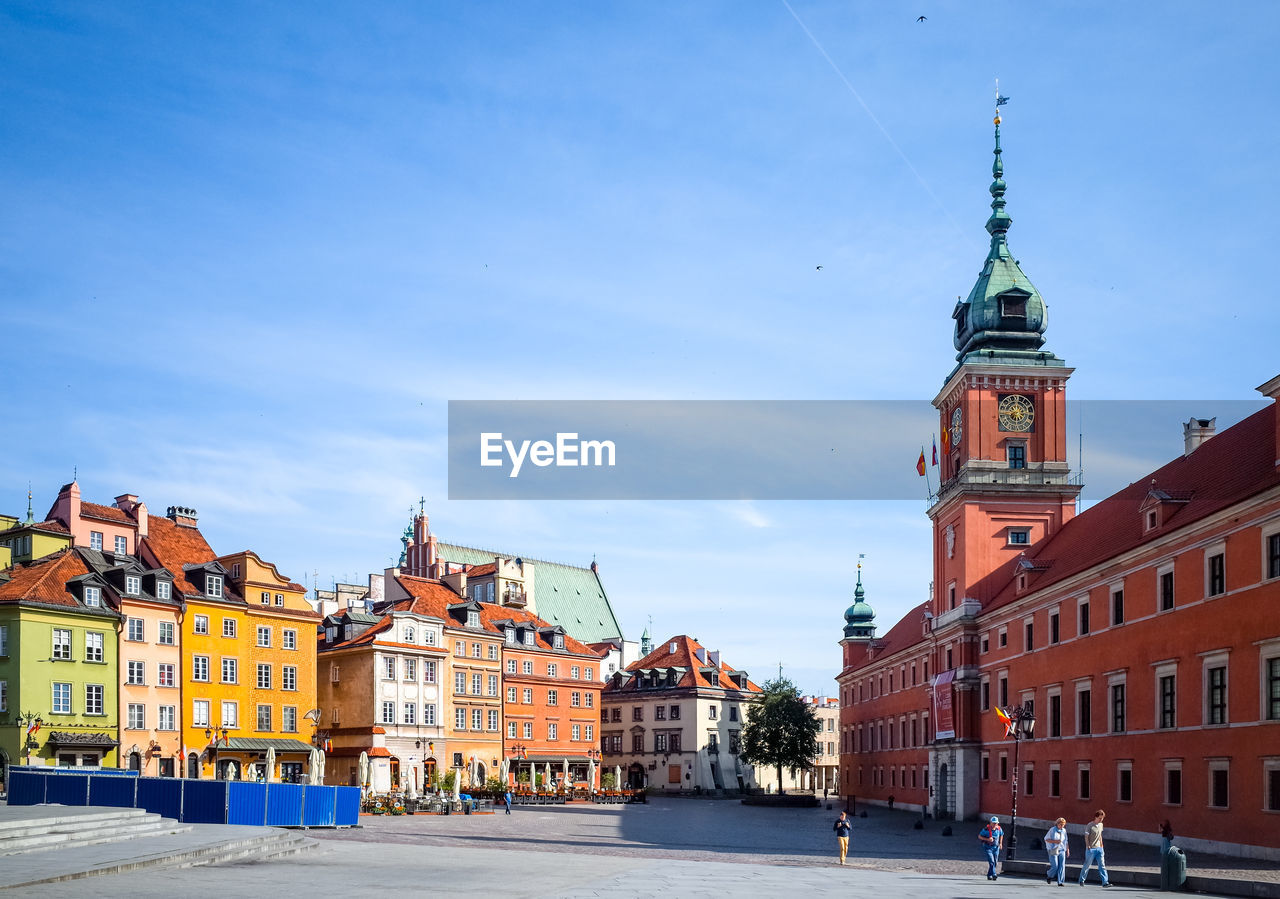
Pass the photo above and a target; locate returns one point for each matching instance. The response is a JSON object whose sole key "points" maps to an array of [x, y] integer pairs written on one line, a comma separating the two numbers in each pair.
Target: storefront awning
{"points": [[262, 744], [552, 759], [75, 738]]}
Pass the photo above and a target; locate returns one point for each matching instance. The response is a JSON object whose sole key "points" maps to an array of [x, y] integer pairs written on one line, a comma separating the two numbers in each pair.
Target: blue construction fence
{"points": [[189, 801]]}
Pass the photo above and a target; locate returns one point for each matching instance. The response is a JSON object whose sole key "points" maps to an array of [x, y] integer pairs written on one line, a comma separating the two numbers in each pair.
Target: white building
{"points": [[673, 720]]}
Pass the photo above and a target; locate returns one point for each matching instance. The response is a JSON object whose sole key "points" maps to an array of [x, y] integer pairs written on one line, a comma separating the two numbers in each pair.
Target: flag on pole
{"points": [[1000, 101], [33, 728], [1005, 720], [946, 438], [935, 452], [920, 466]]}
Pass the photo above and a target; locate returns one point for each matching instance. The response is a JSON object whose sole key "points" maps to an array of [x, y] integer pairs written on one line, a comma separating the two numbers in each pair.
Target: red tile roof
{"points": [[491, 613], [1226, 469], [44, 580], [481, 570], [106, 513], [685, 656], [169, 546]]}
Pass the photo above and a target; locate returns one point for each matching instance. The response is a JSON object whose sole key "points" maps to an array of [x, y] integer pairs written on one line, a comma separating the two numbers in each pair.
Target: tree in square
{"points": [[781, 730]]}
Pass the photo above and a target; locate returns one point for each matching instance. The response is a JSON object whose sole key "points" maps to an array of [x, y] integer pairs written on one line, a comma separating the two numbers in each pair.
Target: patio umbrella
{"points": [[617, 777], [363, 769], [271, 764], [457, 784], [547, 780], [564, 776], [506, 770], [411, 794], [591, 775], [318, 779], [251, 773]]}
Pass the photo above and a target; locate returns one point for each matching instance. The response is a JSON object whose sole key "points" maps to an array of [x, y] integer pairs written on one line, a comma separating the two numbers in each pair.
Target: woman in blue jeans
{"points": [[1055, 843], [992, 839]]}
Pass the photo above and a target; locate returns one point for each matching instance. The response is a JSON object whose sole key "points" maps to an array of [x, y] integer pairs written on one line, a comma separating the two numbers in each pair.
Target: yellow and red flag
{"points": [[1005, 720], [920, 464]]}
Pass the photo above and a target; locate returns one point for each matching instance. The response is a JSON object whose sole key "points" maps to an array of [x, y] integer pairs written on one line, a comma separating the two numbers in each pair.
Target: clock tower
{"points": [[1005, 483]]}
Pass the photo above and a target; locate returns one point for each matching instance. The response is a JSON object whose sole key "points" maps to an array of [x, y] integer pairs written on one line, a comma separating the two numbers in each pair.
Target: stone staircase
{"points": [[49, 844], [59, 830]]}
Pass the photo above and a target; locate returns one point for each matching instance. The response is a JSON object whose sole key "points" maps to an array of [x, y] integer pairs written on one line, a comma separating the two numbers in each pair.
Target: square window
{"points": [[62, 699], [1016, 453], [62, 644], [264, 717], [228, 627], [229, 671], [213, 587], [166, 635], [132, 584], [200, 713], [200, 625], [166, 675], [93, 597], [93, 647], [93, 699], [136, 716], [551, 669], [136, 630], [289, 719], [264, 677], [264, 635], [199, 668], [122, 545], [289, 678], [289, 639], [164, 589], [95, 540]]}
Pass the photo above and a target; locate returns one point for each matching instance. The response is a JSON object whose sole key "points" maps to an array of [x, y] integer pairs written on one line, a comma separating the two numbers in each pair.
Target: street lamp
{"points": [[216, 735], [593, 754], [1022, 723], [33, 723]]}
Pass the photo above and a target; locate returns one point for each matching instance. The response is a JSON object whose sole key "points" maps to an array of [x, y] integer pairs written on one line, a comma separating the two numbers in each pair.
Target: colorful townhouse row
{"points": [[448, 668], [126, 641]]}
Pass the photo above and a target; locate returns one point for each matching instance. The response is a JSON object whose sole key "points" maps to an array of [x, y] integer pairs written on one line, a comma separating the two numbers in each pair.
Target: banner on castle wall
{"points": [[943, 710]]}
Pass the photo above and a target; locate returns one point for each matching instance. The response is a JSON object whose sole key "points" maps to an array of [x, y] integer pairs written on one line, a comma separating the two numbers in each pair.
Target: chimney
{"points": [[1272, 389], [182, 516], [1195, 432], [128, 503]]}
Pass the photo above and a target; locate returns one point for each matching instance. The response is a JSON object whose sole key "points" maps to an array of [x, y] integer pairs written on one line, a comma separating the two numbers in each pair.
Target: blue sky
{"points": [[248, 256]]}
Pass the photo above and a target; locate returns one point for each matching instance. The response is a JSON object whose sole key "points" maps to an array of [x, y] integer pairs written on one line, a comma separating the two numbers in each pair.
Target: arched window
{"points": [[193, 766], [135, 761]]}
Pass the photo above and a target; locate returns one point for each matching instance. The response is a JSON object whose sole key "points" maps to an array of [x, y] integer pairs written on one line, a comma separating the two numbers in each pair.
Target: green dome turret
{"points": [[1003, 320], [859, 618]]}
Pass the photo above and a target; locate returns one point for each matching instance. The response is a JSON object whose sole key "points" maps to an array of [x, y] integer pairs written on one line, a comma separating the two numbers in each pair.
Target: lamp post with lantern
{"points": [[1022, 724], [217, 735]]}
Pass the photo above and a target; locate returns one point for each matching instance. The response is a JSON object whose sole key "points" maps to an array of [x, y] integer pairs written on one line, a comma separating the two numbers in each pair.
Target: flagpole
{"points": [[927, 486]]}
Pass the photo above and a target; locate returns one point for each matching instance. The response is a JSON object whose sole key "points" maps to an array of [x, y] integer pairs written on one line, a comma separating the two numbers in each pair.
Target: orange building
{"points": [[1141, 634], [551, 698]]}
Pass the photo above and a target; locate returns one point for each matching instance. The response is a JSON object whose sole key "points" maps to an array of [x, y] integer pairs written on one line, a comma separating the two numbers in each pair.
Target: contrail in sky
{"points": [[887, 136]]}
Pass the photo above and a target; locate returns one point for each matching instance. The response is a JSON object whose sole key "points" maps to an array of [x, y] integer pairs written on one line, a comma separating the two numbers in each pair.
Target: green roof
{"points": [[567, 595], [262, 744]]}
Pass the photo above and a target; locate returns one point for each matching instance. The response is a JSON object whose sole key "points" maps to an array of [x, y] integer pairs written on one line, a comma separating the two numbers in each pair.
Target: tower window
{"points": [[1016, 453], [1013, 306], [1019, 536]]}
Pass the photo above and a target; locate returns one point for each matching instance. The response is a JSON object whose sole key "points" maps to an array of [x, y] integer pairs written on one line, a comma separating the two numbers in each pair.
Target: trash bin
{"points": [[1173, 870]]}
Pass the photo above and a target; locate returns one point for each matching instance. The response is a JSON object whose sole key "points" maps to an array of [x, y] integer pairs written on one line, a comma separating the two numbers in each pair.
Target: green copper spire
{"points": [[1003, 320], [859, 618]]}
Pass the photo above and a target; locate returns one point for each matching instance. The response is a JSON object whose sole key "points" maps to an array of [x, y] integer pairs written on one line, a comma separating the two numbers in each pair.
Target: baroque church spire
{"points": [[1003, 320]]}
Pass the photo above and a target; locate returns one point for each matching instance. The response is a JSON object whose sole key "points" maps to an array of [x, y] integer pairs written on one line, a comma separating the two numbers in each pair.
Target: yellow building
{"points": [[280, 638], [229, 721]]}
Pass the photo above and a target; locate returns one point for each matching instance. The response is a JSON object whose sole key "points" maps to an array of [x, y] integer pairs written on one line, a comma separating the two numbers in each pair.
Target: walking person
{"points": [[1055, 843], [992, 839], [842, 829], [507, 799], [1093, 849]]}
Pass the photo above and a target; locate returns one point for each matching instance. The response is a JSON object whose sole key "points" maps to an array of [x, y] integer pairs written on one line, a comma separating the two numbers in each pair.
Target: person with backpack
{"points": [[842, 829], [992, 839]]}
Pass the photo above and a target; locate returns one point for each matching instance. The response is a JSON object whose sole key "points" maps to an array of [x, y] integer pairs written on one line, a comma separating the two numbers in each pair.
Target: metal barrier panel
{"points": [[318, 806], [161, 796], [347, 807], [26, 787], [246, 803], [284, 805], [68, 789], [115, 792], [204, 801]]}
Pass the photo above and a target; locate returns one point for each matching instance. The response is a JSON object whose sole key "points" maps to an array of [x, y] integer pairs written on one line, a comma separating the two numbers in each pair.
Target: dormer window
{"points": [[528, 638], [510, 634], [279, 599], [92, 596], [266, 598], [473, 618], [672, 648], [1013, 305], [1152, 520], [213, 585], [163, 589], [132, 584], [559, 641]]}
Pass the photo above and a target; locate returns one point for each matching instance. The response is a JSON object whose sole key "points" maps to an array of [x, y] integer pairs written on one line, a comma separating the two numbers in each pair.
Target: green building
{"points": [[58, 665]]}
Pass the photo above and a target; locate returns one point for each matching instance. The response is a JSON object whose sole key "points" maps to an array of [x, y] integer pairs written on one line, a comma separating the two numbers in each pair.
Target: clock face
{"points": [[957, 420], [1016, 413]]}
